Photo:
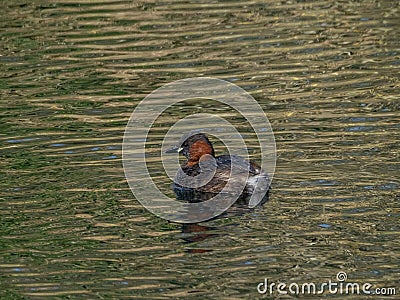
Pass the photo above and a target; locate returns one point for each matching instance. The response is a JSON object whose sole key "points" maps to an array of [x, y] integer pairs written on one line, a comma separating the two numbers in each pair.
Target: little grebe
{"points": [[197, 148]]}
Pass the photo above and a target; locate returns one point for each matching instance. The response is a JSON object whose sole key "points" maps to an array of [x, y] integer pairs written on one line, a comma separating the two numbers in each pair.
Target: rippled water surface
{"points": [[326, 74]]}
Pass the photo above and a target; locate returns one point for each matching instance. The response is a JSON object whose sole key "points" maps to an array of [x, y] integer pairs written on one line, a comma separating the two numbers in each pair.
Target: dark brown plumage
{"points": [[200, 156]]}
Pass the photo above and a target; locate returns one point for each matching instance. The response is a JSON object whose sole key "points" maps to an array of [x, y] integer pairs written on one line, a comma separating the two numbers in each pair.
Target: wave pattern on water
{"points": [[326, 75]]}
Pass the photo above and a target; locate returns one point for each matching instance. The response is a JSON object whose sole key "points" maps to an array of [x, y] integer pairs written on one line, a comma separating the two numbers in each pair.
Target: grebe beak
{"points": [[174, 149]]}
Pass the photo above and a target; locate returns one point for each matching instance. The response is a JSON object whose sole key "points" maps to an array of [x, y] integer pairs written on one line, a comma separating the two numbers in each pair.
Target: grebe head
{"points": [[195, 146]]}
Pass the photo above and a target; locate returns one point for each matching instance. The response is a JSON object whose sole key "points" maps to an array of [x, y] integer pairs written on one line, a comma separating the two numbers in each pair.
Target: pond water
{"points": [[325, 73]]}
